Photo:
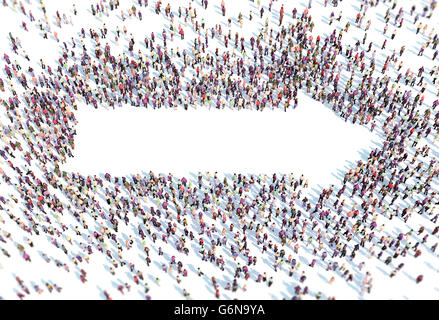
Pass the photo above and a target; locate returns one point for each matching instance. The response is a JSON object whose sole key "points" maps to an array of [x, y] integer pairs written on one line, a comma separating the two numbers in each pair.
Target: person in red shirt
{"points": [[281, 15]]}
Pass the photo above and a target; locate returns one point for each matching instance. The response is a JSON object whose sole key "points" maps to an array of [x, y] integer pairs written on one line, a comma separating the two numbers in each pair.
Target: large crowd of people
{"points": [[235, 222]]}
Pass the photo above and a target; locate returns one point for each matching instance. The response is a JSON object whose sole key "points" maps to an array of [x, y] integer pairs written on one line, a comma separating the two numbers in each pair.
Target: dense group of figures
{"points": [[250, 227]]}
